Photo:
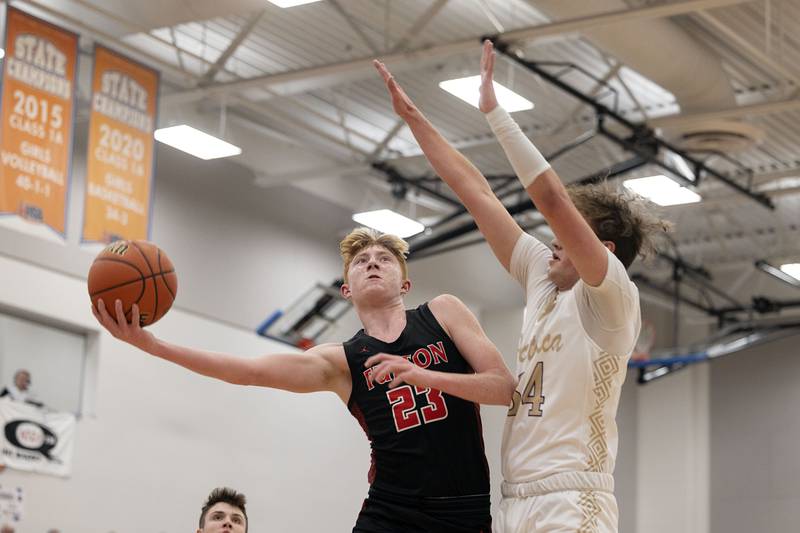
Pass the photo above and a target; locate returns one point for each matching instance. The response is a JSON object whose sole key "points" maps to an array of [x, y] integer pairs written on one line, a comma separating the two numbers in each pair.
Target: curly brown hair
{"points": [[628, 220], [362, 238]]}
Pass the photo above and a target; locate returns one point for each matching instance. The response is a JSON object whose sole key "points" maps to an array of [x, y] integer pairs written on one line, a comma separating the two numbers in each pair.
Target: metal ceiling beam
{"points": [[489, 14], [622, 15], [114, 41], [190, 79], [512, 187], [684, 119], [398, 126], [748, 336], [395, 177], [354, 25], [761, 59], [421, 243], [642, 280], [629, 92], [639, 132], [732, 200], [219, 64], [292, 124], [698, 275], [418, 245], [300, 130], [419, 25], [598, 86], [308, 110], [354, 69], [178, 54]]}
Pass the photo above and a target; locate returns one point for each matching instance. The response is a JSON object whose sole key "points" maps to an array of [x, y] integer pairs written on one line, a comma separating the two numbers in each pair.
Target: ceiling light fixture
{"points": [[468, 90], [196, 142], [387, 221], [291, 3], [793, 269], [662, 190]]}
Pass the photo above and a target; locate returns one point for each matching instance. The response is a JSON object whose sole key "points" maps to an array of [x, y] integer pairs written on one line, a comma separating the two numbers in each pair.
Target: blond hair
{"points": [[628, 220], [362, 238]]}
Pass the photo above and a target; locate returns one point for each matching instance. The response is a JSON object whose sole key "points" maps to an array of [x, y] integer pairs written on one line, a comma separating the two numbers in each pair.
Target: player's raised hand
{"points": [[130, 332], [488, 100], [404, 371], [402, 104]]}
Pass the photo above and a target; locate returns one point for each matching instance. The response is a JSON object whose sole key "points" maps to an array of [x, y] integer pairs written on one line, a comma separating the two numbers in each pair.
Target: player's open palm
{"points": [[488, 100], [402, 104], [130, 332]]}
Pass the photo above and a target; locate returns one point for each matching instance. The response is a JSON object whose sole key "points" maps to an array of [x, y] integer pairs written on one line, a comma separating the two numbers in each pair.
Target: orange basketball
{"points": [[136, 272]]}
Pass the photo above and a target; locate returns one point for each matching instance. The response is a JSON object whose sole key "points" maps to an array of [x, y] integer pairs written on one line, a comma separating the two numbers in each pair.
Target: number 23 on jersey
{"points": [[404, 406]]}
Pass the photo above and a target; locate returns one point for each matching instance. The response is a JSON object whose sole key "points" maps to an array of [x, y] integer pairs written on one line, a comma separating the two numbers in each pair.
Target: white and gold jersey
{"points": [[571, 363]]}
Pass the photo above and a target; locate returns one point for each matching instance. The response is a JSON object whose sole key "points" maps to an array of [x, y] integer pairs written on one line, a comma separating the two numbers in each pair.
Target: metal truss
{"points": [[737, 321], [641, 139]]}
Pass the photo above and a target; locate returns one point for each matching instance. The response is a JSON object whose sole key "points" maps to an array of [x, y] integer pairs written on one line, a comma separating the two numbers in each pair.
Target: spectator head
{"points": [[22, 380]]}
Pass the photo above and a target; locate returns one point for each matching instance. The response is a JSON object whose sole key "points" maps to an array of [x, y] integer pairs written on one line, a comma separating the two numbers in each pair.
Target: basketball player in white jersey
{"points": [[581, 322]]}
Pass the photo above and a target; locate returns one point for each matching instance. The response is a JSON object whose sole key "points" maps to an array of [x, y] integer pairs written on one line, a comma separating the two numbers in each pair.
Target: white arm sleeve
{"points": [[610, 312], [529, 260], [524, 157]]}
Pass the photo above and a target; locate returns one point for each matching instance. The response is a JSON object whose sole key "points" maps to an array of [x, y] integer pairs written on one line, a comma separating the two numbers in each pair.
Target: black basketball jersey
{"points": [[425, 443]]}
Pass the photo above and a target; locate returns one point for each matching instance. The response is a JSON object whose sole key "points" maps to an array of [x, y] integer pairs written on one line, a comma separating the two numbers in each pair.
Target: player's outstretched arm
{"points": [[322, 368], [471, 187], [492, 382], [542, 184]]}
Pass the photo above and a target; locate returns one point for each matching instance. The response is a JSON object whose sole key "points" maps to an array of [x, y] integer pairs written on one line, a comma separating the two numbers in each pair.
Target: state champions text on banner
{"points": [[121, 152], [38, 104]]}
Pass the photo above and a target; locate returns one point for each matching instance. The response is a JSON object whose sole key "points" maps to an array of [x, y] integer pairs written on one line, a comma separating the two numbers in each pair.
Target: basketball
{"points": [[136, 272]]}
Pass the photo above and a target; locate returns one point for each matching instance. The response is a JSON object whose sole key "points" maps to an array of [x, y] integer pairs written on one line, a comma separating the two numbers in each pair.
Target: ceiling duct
{"points": [[723, 136]]}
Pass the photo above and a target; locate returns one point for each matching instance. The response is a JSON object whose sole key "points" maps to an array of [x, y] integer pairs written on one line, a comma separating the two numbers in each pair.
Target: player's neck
{"points": [[384, 322], [562, 283]]}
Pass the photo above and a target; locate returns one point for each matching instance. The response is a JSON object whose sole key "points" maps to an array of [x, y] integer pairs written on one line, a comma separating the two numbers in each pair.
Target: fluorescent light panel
{"points": [[196, 142], [792, 269], [388, 221], [468, 89], [662, 190], [291, 3]]}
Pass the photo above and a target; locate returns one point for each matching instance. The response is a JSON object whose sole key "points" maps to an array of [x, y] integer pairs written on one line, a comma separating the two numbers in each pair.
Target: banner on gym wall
{"points": [[120, 159], [36, 440], [38, 104]]}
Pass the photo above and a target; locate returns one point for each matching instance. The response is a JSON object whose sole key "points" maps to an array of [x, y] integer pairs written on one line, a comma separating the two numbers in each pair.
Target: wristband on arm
{"points": [[526, 160]]}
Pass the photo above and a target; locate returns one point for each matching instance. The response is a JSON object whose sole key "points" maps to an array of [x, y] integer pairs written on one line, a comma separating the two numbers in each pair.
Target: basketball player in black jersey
{"points": [[412, 379]]}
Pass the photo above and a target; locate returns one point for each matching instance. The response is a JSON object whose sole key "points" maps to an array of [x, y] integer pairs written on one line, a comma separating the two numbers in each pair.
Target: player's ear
{"points": [[345, 291], [405, 286]]}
